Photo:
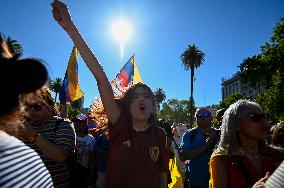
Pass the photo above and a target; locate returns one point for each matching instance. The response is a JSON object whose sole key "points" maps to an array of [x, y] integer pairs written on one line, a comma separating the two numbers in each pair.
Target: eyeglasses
{"points": [[203, 115], [143, 95], [257, 117], [35, 107]]}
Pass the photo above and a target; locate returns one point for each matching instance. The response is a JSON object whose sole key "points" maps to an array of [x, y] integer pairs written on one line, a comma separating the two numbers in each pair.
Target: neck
{"points": [[42, 121], [81, 134], [204, 128], [249, 145], [140, 125]]}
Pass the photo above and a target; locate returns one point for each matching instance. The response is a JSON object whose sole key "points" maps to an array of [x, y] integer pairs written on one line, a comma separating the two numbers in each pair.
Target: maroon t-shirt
{"points": [[136, 159]]}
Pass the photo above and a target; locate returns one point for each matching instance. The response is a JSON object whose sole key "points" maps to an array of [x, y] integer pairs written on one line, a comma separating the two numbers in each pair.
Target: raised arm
{"points": [[62, 16]]}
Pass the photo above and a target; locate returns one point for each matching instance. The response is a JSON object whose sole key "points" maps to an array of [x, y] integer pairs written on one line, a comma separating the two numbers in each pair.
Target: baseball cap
{"points": [[81, 117]]}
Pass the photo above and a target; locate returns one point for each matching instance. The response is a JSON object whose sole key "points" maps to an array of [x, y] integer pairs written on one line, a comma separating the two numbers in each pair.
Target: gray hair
{"points": [[232, 118]]}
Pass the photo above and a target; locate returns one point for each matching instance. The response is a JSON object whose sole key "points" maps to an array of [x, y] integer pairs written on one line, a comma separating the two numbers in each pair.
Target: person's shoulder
{"points": [[160, 130], [220, 153], [7, 141], [273, 152]]}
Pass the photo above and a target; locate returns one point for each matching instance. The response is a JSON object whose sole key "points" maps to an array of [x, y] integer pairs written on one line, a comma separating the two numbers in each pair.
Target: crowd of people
{"points": [[120, 143]]}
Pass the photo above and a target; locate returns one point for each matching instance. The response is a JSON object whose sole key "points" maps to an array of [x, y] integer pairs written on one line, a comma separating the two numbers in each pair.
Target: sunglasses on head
{"points": [[257, 117], [203, 115], [35, 107]]}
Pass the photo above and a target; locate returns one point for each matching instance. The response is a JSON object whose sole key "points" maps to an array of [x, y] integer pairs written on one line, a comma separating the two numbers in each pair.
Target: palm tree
{"points": [[55, 85], [160, 96], [191, 59], [14, 46]]}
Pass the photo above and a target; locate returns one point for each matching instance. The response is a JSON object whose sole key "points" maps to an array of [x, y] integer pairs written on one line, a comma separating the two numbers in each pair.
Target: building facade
{"points": [[234, 84]]}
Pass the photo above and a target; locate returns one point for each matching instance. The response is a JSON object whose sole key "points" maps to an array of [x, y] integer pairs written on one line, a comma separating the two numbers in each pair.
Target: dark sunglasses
{"points": [[257, 117], [143, 95], [203, 115], [35, 107]]}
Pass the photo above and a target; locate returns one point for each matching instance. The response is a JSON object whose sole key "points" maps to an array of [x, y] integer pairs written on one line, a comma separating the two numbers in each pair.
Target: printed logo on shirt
{"points": [[127, 142], [154, 153]]}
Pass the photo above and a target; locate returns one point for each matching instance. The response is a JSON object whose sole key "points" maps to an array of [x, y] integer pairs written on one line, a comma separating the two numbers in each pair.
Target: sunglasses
{"points": [[257, 117], [203, 115], [35, 107], [143, 95]]}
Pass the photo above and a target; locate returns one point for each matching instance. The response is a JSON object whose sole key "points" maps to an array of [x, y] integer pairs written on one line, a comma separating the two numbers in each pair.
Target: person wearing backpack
{"points": [[196, 147]]}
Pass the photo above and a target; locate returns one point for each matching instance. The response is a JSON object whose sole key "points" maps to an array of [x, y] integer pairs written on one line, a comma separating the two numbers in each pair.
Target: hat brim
{"points": [[23, 76]]}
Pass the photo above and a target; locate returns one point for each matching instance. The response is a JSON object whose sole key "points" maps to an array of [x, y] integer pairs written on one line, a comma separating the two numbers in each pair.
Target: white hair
{"points": [[232, 118]]}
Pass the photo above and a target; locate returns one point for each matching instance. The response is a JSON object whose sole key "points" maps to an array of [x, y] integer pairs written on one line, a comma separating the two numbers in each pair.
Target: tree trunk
{"points": [[55, 96], [191, 97]]}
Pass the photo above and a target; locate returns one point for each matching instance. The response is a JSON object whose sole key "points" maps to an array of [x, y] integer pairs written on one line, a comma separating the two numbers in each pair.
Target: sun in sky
{"points": [[121, 31]]}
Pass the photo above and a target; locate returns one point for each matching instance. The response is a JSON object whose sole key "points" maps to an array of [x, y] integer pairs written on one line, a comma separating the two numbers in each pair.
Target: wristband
{"points": [[32, 138]]}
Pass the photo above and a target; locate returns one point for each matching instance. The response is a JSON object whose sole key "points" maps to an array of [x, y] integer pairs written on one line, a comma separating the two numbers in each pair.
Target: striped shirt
{"points": [[20, 166], [63, 136]]}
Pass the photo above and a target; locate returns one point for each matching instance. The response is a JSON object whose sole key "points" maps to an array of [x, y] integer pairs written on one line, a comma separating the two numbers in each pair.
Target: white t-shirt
{"points": [[21, 166], [84, 148]]}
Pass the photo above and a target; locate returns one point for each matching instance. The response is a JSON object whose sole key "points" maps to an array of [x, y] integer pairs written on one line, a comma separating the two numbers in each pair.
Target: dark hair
{"points": [[127, 99], [17, 77], [277, 136]]}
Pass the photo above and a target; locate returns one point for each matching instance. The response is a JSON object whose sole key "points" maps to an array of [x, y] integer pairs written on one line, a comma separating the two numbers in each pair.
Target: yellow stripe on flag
{"points": [[74, 89], [136, 75], [177, 180]]}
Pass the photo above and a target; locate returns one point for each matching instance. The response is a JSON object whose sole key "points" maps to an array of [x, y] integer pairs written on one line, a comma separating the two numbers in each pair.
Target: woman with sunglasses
{"points": [[138, 155], [242, 159], [52, 137]]}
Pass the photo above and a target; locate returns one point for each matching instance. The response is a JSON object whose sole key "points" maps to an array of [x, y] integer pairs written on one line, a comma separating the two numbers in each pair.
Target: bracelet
{"points": [[32, 138]]}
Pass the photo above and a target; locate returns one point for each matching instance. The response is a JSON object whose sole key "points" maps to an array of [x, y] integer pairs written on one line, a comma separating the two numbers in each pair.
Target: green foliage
{"points": [[269, 66], [14, 46], [72, 112], [272, 100], [252, 70], [175, 111], [230, 100], [160, 96], [192, 57], [55, 86]]}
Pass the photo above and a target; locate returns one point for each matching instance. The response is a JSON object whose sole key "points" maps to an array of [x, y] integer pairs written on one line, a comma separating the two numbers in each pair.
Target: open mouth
{"points": [[142, 107]]}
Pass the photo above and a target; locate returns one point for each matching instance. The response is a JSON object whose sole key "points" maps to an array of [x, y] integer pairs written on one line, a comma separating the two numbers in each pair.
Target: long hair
{"points": [[17, 77], [127, 99], [44, 93], [232, 118]]}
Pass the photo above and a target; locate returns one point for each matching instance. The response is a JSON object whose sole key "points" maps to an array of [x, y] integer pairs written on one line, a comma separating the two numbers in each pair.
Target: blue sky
{"points": [[227, 31]]}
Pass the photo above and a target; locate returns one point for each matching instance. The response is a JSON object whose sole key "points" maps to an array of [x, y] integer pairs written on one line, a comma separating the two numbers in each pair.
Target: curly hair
{"points": [[277, 136]]}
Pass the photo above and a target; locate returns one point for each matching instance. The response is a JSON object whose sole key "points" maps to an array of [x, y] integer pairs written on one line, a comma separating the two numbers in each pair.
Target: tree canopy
{"points": [[269, 66]]}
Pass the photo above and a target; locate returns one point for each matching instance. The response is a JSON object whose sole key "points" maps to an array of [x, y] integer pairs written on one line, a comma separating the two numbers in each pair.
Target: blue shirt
{"points": [[198, 168], [101, 143]]}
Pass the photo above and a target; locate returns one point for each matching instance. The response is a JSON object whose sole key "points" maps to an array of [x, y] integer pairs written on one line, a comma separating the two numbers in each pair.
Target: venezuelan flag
{"points": [[127, 76], [70, 90]]}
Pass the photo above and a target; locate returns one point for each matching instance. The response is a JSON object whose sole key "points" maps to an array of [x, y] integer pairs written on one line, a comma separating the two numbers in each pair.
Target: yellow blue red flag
{"points": [[127, 76], [70, 90]]}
